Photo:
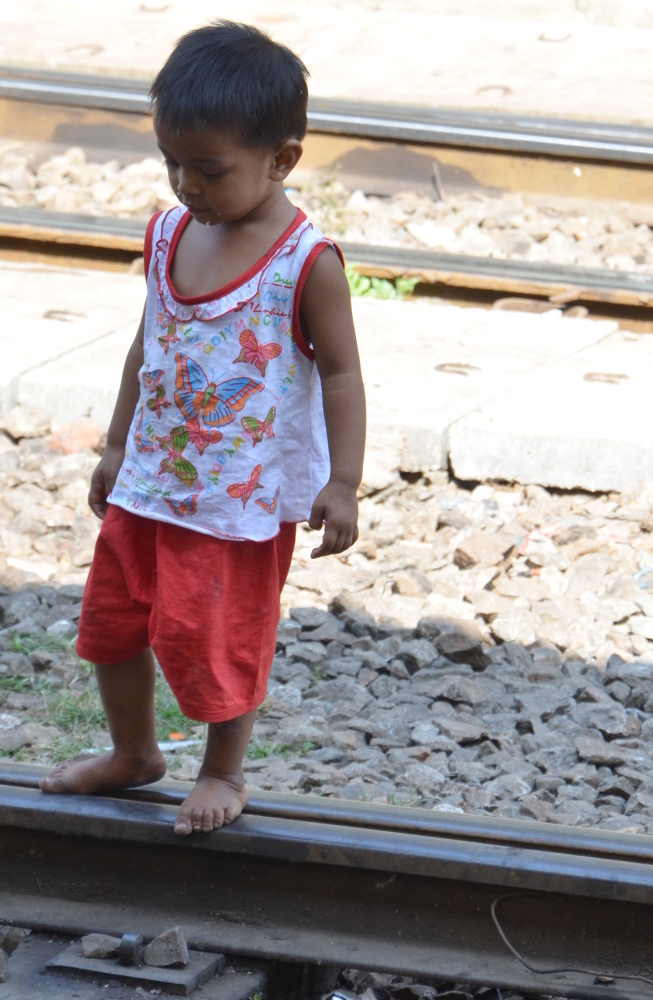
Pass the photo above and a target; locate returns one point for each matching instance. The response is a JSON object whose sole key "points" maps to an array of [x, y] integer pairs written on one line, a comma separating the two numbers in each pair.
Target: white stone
{"points": [[24, 421]]}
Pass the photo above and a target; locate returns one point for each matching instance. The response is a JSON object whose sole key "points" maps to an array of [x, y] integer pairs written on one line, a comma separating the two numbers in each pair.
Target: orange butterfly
{"points": [[183, 507], [254, 353], [270, 503], [243, 491]]}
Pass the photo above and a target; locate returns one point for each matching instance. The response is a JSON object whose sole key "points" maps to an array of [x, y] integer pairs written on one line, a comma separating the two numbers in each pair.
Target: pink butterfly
{"points": [[269, 503], [200, 436], [243, 491], [254, 353]]}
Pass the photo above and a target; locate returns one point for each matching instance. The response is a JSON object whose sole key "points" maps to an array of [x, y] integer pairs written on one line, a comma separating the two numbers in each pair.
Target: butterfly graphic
{"points": [[152, 379], [258, 429], [183, 507], [200, 436], [170, 337], [243, 491], [158, 402], [254, 353], [174, 443], [269, 503], [142, 442], [214, 403]]}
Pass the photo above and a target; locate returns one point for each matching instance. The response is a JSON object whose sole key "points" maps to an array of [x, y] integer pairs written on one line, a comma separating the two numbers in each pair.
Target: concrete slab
{"points": [[82, 383], [426, 365], [584, 422], [49, 312], [535, 56]]}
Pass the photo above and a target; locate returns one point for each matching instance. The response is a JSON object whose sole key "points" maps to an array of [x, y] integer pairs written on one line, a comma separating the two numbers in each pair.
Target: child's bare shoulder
{"points": [[326, 284]]}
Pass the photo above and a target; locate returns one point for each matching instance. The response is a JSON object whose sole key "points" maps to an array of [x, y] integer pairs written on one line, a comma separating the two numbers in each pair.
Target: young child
{"points": [[241, 412]]}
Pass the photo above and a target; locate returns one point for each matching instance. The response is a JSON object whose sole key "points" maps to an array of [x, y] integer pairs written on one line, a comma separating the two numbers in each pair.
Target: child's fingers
{"points": [[344, 542], [97, 498], [329, 540], [316, 519]]}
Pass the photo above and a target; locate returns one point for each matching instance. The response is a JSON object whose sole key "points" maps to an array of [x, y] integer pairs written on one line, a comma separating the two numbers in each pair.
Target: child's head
{"points": [[229, 114]]}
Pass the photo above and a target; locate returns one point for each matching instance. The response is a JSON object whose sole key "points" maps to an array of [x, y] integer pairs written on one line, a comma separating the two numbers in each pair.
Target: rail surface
{"points": [[300, 879], [567, 283], [396, 123]]}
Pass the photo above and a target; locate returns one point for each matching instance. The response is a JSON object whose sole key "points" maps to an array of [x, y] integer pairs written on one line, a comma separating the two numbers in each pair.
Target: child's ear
{"points": [[286, 158]]}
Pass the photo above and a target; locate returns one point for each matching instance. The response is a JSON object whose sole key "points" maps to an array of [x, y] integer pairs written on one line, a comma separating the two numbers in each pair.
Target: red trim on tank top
{"points": [[297, 334], [251, 272], [147, 243]]}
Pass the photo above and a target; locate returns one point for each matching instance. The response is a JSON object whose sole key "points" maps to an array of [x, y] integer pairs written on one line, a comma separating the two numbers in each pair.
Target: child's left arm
{"points": [[325, 312]]}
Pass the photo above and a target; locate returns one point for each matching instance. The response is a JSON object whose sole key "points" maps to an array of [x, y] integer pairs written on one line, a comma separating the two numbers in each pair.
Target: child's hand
{"points": [[335, 507], [103, 480]]}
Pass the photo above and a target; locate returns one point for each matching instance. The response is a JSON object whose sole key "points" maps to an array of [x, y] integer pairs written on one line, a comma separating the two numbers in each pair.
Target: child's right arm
{"points": [[104, 477]]}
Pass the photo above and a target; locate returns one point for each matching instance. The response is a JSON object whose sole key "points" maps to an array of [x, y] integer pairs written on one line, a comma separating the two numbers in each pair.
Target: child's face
{"points": [[217, 177]]}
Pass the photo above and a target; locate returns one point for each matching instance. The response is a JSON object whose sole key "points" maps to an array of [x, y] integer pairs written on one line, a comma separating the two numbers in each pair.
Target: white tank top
{"points": [[228, 437]]}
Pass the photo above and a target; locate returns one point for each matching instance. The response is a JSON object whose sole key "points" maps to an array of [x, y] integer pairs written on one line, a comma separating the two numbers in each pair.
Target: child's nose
{"points": [[186, 184]]}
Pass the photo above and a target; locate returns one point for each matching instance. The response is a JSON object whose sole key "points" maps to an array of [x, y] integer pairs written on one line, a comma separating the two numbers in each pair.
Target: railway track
{"points": [[397, 123], [37, 106], [299, 880], [122, 239]]}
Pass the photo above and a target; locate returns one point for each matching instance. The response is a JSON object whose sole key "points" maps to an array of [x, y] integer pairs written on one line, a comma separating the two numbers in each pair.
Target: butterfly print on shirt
{"points": [[183, 507], [254, 353], [174, 443], [258, 429], [214, 403], [243, 491]]}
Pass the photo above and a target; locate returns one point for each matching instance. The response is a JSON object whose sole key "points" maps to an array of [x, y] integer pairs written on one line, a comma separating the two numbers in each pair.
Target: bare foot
{"points": [[212, 803], [107, 773]]}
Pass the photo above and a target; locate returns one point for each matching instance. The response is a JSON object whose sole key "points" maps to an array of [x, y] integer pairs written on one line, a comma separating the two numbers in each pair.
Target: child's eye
{"points": [[170, 164], [213, 177]]}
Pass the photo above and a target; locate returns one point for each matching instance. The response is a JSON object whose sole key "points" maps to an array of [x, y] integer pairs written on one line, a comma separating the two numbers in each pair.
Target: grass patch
{"points": [[169, 717], [379, 288], [77, 714], [258, 750]]}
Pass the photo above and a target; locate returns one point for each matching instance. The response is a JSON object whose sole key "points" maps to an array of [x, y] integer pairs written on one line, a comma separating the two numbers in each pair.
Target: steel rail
{"points": [[367, 896], [394, 123], [568, 283], [313, 808]]}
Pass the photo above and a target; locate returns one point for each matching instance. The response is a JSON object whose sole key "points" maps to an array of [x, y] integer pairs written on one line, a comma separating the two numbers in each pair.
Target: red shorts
{"points": [[208, 607]]}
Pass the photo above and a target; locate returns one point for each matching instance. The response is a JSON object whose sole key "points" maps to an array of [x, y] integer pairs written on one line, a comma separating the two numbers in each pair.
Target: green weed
{"points": [[379, 288], [259, 750], [169, 717]]}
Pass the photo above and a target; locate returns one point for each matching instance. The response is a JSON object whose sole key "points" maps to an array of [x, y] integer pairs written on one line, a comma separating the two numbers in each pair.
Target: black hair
{"points": [[234, 77]]}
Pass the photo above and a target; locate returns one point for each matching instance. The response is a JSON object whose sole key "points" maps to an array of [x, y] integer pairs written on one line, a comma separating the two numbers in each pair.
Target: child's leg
{"points": [[219, 795], [127, 691]]}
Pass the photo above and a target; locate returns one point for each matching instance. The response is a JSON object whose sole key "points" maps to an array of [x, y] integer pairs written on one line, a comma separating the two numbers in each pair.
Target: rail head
{"points": [[522, 134]]}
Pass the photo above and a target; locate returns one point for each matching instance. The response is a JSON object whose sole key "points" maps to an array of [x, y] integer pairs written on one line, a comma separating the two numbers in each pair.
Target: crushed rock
{"points": [[515, 682], [479, 223]]}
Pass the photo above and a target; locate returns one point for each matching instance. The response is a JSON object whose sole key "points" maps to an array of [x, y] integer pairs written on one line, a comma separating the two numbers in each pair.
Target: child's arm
{"points": [[104, 477], [325, 309]]}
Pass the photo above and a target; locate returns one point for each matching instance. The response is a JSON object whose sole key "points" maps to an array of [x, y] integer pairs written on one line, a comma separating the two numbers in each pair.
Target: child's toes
{"points": [[232, 812], [183, 825], [197, 818], [219, 817]]}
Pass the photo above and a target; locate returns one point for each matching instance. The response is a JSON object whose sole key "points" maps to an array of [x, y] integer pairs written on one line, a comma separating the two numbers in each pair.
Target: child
{"points": [[240, 413]]}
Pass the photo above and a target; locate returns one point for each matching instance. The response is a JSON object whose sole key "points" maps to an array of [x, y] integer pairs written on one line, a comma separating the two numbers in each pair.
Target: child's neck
{"points": [[209, 257]]}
